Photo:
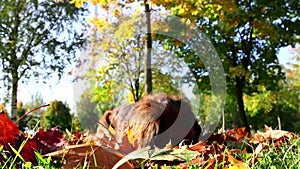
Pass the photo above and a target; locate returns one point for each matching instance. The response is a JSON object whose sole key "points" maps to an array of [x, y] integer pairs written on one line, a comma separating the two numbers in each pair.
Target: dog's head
{"points": [[155, 120]]}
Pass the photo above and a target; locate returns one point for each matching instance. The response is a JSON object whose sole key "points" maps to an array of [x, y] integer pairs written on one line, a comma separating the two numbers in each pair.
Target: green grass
{"points": [[285, 156], [17, 161]]}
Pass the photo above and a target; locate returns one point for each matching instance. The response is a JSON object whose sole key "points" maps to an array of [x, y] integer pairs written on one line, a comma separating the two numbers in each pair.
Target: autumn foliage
{"points": [[43, 141], [77, 148], [8, 130]]}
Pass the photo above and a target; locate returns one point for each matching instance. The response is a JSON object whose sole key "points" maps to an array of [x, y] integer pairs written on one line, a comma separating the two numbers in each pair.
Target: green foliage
{"points": [[280, 107], [274, 110], [87, 113], [76, 126], [34, 102], [259, 102], [247, 36], [39, 38], [164, 82], [57, 114], [30, 121], [47, 162], [23, 124]]}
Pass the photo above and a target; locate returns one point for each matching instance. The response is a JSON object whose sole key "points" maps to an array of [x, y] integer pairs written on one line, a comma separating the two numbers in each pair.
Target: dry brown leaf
{"points": [[270, 134], [278, 134], [78, 155], [200, 147], [237, 134]]}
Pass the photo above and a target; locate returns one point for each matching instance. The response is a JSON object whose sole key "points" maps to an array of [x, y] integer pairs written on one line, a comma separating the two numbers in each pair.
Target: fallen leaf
{"points": [[277, 134], [258, 149], [236, 163], [79, 155], [270, 134], [28, 150], [200, 147], [8, 131], [49, 140], [128, 144], [237, 134], [174, 155]]}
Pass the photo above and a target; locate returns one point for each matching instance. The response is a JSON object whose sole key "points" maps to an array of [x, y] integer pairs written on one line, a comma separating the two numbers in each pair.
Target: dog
{"points": [[155, 120]]}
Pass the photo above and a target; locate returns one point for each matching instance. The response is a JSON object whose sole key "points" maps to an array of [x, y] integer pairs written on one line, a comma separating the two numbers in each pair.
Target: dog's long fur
{"points": [[155, 120]]}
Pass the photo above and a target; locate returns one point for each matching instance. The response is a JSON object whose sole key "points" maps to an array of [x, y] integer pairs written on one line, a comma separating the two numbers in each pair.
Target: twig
{"points": [[279, 122], [19, 119]]}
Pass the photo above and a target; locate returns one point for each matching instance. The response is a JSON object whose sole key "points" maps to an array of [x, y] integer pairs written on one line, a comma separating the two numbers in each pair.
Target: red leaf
{"points": [[75, 138], [43, 142], [200, 147], [219, 138], [106, 141], [8, 130], [126, 147], [28, 150], [49, 140]]}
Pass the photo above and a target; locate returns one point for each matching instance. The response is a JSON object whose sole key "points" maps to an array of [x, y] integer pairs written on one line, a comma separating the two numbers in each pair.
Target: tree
{"points": [[57, 114], [38, 39], [88, 113], [21, 111], [113, 6], [35, 101], [278, 108], [118, 46], [247, 36]]}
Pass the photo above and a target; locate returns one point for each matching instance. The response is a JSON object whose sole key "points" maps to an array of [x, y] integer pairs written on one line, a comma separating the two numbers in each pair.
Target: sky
{"points": [[64, 89]]}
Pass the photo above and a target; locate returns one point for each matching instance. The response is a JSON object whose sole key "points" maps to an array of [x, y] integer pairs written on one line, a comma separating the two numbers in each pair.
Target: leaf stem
{"points": [[19, 119]]}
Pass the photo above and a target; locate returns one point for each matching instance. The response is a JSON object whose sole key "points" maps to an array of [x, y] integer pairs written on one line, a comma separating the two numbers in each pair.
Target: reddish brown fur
{"points": [[152, 120]]}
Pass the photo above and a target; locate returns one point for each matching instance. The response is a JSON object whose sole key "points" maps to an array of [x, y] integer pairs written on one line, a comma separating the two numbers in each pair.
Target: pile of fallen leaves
{"points": [[87, 150], [14, 143]]}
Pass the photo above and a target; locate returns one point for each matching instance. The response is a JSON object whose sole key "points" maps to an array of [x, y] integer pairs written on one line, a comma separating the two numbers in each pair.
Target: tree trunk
{"points": [[14, 62], [148, 71], [14, 96], [240, 80], [137, 88]]}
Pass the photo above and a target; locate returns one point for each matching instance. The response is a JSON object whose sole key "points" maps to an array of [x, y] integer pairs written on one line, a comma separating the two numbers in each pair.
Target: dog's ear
{"points": [[106, 119]]}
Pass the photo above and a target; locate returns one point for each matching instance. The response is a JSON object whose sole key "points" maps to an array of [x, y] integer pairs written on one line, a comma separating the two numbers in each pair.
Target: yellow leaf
{"points": [[99, 22], [78, 3], [222, 16], [219, 7], [236, 163], [112, 130], [181, 11], [131, 138], [95, 2], [194, 11], [137, 12], [129, 134], [116, 12], [233, 167]]}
